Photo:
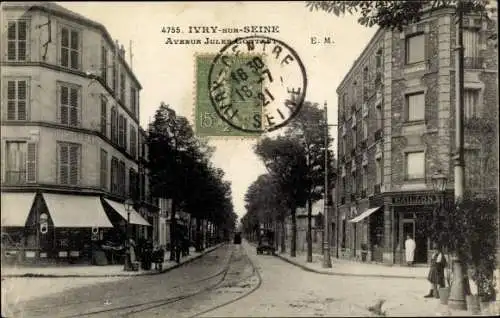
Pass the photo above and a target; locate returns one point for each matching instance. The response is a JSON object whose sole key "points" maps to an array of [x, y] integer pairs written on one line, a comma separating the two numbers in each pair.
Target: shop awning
{"points": [[76, 210], [135, 218], [16, 208], [363, 215]]}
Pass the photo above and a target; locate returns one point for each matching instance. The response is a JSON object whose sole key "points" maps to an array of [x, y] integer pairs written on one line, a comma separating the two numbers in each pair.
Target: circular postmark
{"points": [[257, 84]]}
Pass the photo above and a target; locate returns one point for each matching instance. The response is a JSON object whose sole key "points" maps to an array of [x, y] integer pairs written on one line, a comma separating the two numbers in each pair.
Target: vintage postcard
{"points": [[249, 158]]}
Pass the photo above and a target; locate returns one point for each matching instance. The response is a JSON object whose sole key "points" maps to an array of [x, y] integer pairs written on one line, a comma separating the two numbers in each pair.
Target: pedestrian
{"points": [[436, 272], [410, 246]]}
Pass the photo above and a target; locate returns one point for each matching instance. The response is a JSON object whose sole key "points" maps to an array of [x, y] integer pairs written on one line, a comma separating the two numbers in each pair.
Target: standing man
{"points": [[410, 246]]}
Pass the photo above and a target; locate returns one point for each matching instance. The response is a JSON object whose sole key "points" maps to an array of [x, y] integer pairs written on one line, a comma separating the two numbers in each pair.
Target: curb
{"points": [[345, 274], [149, 273]]}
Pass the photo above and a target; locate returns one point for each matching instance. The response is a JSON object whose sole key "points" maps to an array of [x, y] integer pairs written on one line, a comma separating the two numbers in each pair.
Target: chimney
{"points": [[122, 51]]}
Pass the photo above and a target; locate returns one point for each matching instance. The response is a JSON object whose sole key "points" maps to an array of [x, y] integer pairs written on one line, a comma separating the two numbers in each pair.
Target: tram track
{"points": [[238, 268]]}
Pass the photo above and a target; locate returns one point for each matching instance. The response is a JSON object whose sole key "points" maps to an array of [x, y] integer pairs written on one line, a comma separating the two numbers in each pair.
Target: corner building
{"points": [[397, 128], [69, 134]]}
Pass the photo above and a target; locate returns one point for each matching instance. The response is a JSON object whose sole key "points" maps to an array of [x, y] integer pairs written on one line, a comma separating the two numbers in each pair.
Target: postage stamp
{"points": [[207, 122], [256, 84]]}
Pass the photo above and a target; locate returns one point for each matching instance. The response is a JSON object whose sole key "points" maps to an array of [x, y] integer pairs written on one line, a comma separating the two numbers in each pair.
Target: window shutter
{"points": [[125, 128], [31, 162], [21, 99], [104, 64], [64, 104], [21, 40], [64, 47], [73, 106], [74, 50], [11, 41], [11, 100], [74, 163], [63, 164], [104, 114], [104, 169]]}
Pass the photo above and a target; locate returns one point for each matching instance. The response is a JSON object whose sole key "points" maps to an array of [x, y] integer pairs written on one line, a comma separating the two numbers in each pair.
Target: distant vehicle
{"points": [[237, 238], [266, 242]]}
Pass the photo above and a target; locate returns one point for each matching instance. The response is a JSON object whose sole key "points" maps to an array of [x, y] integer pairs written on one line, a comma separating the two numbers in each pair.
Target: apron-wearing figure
{"points": [[410, 246]]}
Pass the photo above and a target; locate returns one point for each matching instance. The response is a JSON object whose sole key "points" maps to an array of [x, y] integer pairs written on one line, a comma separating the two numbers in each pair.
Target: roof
{"points": [[57, 10]]}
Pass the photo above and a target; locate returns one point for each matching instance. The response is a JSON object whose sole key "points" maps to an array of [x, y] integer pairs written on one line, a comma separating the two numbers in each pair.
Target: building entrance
{"points": [[412, 224]]}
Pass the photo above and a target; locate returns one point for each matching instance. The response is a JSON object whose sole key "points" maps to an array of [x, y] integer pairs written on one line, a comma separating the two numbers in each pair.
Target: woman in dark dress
{"points": [[436, 272]]}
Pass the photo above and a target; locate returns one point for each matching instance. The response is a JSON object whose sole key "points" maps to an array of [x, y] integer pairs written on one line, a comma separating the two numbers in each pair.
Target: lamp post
{"points": [[128, 204], [327, 262]]}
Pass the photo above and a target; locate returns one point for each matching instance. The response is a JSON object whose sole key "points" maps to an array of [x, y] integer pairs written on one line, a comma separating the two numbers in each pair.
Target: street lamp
{"points": [[439, 181], [128, 204], [327, 262]]}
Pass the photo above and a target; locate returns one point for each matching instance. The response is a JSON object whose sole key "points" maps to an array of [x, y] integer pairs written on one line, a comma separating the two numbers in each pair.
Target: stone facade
{"points": [[373, 168]]}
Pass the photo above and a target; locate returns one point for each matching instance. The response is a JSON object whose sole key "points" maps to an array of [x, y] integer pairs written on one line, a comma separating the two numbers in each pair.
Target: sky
{"points": [[166, 71]]}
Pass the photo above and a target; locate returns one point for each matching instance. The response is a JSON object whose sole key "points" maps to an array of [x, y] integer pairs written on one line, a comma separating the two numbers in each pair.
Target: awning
{"points": [[16, 208], [76, 210], [364, 215], [135, 218]]}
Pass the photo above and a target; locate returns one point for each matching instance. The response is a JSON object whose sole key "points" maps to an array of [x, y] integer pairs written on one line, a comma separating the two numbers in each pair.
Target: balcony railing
{"points": [[15, 177]]}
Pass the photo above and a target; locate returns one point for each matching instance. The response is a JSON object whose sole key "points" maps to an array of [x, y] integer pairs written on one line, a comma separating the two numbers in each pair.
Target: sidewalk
{"points": [[344, 267], [69, 270]]}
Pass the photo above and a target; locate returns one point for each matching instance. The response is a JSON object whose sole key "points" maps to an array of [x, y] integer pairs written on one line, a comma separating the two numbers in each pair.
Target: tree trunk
{"points": [[198, 235], [173, 236], [309, 231], [293, 247], [283, 236]]}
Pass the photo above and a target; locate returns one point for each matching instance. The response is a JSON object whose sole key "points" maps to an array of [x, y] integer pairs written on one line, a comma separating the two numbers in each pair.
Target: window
{"points": [[354, 141], [125, 134], [379, 171], [70, 48], [121, 130], [133, 100], [104, 64], [69, 101], [20, 162], [364, 123], [114, 176], [133, 141], [471, 103], [416, 106], [114, 125], [115, 76], [354, 183], [415, 48], [122, 86], [379, 117], [122, 177], [378, 59], [17, 36], [69, 163], [365, 178], [415, 165], [471, 43], [17, 99], [104, 115], [473, 165], [344, 145], [365, 75], [132, 184], [104, 169]]}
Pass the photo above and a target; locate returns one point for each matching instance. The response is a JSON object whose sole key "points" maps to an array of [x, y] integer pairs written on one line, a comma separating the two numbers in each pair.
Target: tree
{"points": [[308, 127], [284, 159], [394, 14], [263, 198]]}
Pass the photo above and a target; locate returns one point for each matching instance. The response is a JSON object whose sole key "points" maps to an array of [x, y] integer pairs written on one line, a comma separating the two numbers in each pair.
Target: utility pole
{"points": [[459, 284], [327, 262]]}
